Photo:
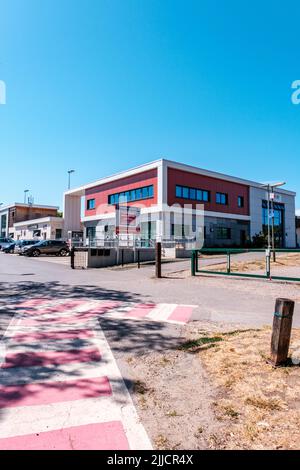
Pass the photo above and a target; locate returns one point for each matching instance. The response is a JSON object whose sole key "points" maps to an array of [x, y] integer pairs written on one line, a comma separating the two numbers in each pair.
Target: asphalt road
{"points": [[248, 302]]}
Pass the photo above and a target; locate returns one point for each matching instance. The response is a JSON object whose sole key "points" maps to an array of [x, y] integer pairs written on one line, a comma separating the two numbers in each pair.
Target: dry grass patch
{"points": [[260, 404]]}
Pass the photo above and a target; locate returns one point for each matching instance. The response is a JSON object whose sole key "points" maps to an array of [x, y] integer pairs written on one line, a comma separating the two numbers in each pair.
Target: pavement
{"points": [[67, 334]]}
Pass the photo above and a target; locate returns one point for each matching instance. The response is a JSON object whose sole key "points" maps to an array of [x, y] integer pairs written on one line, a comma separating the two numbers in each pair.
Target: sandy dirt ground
{"points": [[216, 391]]}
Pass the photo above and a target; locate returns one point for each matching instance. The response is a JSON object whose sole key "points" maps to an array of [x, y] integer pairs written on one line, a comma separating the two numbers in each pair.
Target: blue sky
{"points": [[104, 85]]}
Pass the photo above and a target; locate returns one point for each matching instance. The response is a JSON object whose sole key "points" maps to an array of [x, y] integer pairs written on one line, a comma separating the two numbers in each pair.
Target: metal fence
{"points": [[195, 262]]}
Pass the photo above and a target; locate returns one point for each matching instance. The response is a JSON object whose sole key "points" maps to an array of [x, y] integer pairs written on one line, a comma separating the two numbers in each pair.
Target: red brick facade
{"points": [[101, 193], [213, 185]]}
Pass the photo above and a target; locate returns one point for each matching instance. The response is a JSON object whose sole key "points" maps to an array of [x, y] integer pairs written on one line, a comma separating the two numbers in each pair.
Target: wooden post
{"points": [[281, 334], [158, 259]]}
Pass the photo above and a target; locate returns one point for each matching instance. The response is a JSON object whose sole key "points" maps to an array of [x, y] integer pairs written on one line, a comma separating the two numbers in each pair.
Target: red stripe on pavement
{"points": [[49, 335], [104, 307], [33, 303], [140, 310], [62, 307], [53, 392], [102, 436], [50, 358], [67, 319], [181, 314]]}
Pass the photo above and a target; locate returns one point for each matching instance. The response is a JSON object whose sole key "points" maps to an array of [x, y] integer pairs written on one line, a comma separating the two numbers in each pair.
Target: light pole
{"points": [[26, 191], [271, 196], [69, 182]]}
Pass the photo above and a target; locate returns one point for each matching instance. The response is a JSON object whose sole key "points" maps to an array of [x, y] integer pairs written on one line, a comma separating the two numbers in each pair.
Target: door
{"points": [[243, 237]]}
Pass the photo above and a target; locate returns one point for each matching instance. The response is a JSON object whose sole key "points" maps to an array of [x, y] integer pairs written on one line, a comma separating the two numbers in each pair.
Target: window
{"points": [[222, 198], [223, 233], [241, 201], [91, 233], [178, 191], [194, 194], [276, 213], [90, 204], [145, 192], [58, 233]]}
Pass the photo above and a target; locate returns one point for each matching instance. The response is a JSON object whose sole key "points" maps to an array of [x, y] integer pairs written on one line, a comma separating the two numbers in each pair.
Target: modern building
{"points": [[45, 228], [298, 230], [235, 209], [18, 212]]}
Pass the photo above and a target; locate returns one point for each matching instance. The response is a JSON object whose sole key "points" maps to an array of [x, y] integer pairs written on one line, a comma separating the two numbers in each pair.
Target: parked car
{"points": [[10, 248], [47, 247], [21, 244], [4, 242]]}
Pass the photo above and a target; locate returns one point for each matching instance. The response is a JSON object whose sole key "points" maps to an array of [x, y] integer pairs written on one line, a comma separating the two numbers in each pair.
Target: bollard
{"points": [[72, 257], [138, 259], [228, 263], [281, 333], [268, 263], [193, 268], [158, 260]]}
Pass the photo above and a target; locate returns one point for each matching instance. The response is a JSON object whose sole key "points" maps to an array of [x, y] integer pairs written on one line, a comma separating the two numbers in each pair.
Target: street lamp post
{"points": [[270, 188], [26, 191], [69, 181]]}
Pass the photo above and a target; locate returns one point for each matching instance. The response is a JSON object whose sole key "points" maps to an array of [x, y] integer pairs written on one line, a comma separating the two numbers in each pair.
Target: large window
{"points": [[222, 198], [223, 233], [193, 194], [90, 204], [278, 215], [138, 194]]}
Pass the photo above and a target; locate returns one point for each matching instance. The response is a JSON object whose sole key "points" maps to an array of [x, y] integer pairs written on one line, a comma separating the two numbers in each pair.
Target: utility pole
{"points": [[69, 179], [269, 237], [26, 191], [271, 187], [273, 228]]}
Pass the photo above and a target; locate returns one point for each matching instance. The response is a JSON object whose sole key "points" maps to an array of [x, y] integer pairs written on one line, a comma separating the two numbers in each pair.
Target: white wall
{"points": [[257, 195], [72, 213], [48, 231]]}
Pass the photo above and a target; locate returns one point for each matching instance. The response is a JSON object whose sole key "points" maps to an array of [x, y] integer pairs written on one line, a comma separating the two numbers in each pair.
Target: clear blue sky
{"points": [[104, 85]]}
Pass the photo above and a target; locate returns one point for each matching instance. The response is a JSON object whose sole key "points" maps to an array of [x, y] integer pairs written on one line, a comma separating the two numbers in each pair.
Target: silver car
{"points": [[21, 244]]}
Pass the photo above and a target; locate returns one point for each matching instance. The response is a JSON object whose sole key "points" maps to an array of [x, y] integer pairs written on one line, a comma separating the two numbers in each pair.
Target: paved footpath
{"points": [[60, 387]]}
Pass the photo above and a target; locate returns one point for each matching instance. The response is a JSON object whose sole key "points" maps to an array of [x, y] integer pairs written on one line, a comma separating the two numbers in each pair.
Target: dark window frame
{"points": [[88, 204], [223, 233], [241, 202], [219, 199], [181, 190], [131, 195]]}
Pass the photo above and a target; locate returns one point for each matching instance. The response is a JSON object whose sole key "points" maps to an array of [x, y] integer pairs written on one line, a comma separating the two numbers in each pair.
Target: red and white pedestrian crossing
{"points": [[60, 387]]}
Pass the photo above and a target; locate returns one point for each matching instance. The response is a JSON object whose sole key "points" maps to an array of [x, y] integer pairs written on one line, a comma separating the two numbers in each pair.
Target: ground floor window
{"points": [[58, 233], [276, 216], [3, 225], [223, 233], [91, 233]]}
